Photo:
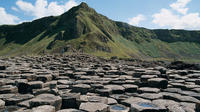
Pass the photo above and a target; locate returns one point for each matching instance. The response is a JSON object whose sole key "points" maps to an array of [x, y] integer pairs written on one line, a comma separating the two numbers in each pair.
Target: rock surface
{"points": [[44, 108], [79, 82]]}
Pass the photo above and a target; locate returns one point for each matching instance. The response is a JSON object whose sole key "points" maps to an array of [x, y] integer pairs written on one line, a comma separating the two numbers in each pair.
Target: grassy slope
{"points": [[92, 29], [121, 47]]}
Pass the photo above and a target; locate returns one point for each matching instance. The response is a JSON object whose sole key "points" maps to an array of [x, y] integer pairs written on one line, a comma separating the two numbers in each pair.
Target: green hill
{"points": [[82, 29]]}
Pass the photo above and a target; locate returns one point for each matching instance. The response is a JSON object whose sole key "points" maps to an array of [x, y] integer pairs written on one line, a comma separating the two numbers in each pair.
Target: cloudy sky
{"points": [[154, 14]]}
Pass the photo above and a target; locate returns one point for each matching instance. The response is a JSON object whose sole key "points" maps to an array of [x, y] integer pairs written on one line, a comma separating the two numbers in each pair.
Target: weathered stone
{"points": [[35, 84], [146, 107], [2, 83], [65, 82], [85, 80], [25, 104], [178, 85], [116, 89], [2, 104], [196, 90], [29, 77], [111, 101], [161, 69], [169, 104], [191, 86], [94, 107], [81, 88], [8, 89], [61, 87], [158, 83], [190, 93], [23, 86], [46, 99], [148, 90], [97, 86], [130, 88], [45, 90], [97, 99], [44, 78], [44, 108], [2, 75], [118, 108], [117, 82], [50, 84], [189, 107], [132, 81], [69, 110], [180, 98], [6, 96], [119, 97], [13, 109], [15, 99], [173, 90], [132, 100], [69, 100], [144, 78], [7, 81], [151, 96]]}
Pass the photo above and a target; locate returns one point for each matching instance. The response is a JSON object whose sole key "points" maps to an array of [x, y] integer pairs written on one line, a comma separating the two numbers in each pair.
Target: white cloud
{"points": [[180, 6], [136, 20], [167, 18], [7, 18], [183, 20], [70, 4], [25, 6], [42, 8], [14, 8]]}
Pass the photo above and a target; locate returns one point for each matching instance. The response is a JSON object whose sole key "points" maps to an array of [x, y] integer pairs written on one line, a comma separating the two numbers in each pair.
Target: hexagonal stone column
{"points": [[47, 99]]}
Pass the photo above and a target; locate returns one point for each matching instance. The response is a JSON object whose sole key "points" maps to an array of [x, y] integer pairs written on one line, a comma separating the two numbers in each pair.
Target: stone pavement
{"points": [[83, 83]]}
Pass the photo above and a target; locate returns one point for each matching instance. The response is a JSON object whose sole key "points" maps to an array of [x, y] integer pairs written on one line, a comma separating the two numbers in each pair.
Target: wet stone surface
{"points": [[83, 83]]}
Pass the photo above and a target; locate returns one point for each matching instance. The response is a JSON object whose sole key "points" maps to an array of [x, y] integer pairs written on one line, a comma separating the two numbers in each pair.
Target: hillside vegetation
{"points": [[82, 29]]}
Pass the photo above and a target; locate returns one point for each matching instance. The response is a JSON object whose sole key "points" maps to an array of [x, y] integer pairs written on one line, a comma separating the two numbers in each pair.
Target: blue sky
{"points": [[154, 14]]}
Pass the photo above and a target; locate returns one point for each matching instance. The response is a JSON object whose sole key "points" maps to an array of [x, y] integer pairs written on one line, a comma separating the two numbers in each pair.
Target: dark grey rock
{"points": [[45, 90], [8, 89], [116, 89], [15, 99], [44, 78], [2, 67], [35, 84], [69, 100], [81, 88], [47, 99], [158, 83], [130, 88]]}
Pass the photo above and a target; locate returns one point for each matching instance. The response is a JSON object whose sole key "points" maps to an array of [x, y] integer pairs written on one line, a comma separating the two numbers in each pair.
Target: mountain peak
{"points": [[84, 5]]}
